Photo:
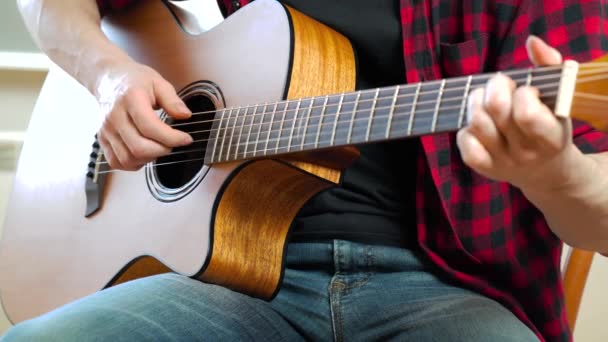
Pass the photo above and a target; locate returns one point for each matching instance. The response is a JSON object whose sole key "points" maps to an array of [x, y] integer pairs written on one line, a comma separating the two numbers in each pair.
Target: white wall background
{"points": [[18, 92]]}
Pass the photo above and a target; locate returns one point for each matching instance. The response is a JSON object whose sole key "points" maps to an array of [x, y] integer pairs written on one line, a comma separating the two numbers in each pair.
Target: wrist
{"points": [[569, 174], [101, 66]]}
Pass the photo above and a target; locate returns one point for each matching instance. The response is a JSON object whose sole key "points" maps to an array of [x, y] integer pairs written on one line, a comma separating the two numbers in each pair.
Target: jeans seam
{"points": [[335, 291], [335, 288]]}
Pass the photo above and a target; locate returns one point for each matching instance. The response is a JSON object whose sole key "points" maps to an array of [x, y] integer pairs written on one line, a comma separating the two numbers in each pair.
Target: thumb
{"points": [[540, 53], [167, 99]]}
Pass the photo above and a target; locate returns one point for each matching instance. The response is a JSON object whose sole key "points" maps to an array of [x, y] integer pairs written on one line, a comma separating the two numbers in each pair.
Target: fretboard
{"points": [[356, 117]]}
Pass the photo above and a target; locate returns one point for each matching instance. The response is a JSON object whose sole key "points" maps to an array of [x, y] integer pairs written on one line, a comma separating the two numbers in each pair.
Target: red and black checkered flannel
{"points": [[486, 235]]}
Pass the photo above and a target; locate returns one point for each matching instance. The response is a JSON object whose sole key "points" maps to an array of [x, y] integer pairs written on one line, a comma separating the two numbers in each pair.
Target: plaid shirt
{"points": [[484, 234]]}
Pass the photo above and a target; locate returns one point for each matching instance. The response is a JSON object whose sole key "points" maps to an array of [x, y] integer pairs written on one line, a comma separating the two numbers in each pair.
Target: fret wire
{"points": [[293, 126], [225, 127], [218, 136], [255, 110], [413, 107], [312, 100], [361, 136], [333, 133], [281, 127], [413, 111], [547, 94], [512, 73], [238, 141], [257, 139], [274, 112], [529, 77], [434, 124], [321, 121], [225, 132], [371, 114], [352, 121], [546, 77], [300, 121], [464, 101], [392, 111], [236, 119], [447, 129]]}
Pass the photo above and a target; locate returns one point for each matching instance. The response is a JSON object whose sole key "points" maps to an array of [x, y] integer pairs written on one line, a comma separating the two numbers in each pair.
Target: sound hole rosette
{"points": [[172, 181]]}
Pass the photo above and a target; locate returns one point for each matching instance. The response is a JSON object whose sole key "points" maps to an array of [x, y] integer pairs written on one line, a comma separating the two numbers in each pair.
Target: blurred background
{"points": [[22, 72]]}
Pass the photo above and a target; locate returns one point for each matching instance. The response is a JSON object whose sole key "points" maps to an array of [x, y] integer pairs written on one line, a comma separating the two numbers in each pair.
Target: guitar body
{"points": [[226, 223]]}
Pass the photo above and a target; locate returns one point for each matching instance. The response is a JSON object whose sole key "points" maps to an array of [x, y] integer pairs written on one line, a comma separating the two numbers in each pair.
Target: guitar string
{"points": [[313, 99], [370, 91], [197, 159], [583, 80], [329, 117], [423, 121], [414, 85], [273, 140], [308, 108]]}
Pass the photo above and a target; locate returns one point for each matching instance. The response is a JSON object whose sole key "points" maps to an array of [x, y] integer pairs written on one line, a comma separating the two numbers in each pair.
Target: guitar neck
{"points": [[357, 117]]}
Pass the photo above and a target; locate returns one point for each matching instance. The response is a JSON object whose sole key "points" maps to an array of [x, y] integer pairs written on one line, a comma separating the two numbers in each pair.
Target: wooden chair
{"points": [[576, 271]]}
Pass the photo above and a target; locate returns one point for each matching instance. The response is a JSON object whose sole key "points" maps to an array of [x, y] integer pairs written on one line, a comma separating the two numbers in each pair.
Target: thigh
{"points": [[467, 318], [165, 307], [402, 297]]}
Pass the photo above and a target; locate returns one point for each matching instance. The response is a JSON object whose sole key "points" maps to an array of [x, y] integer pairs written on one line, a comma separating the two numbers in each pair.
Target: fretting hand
{"points": [[512, 136]]}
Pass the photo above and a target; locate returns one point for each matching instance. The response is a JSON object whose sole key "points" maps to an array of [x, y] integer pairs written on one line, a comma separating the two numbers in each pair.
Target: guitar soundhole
{"points": [[174, 176], [178, 168]]}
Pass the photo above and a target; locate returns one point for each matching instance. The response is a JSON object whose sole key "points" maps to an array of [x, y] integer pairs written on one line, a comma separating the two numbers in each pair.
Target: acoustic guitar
{"points": [[276, 118]]}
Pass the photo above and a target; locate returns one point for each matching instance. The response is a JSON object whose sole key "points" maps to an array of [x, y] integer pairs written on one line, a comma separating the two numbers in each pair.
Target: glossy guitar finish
{"points": [[230, 228]]}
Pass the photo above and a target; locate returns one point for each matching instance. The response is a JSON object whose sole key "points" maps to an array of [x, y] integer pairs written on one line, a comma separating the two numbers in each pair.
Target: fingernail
{"points": [[557, 54], [184, 109]]}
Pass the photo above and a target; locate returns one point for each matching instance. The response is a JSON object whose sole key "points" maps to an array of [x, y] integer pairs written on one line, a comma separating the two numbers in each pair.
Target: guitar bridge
{"points": [[95, 179]]}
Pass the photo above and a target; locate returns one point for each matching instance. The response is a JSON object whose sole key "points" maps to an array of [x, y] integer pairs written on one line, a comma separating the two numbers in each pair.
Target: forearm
{"points": [[69, 32], [578, 211]]}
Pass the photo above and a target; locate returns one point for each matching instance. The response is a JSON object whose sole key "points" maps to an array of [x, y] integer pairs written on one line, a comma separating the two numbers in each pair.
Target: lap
{"points": [[384, 293], [459, 318], [330, 291], [164, 307]]}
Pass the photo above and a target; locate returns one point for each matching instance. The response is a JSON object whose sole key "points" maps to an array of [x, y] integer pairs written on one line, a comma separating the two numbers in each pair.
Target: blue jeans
{"points": [[334, 290]]}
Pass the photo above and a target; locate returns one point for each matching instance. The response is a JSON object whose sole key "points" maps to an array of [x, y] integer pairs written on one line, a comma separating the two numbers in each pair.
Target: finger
{"points": [[108, 152], [150, 125], [540, 53], [482, 126], [473, 152], [120, 150], [498, 102], [535, 120], [142, 149], [167, 98]]}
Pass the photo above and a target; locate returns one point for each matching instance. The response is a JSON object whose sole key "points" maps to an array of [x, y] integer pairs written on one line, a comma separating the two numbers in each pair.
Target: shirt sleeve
{"points": [[582, 33], [588, 139]]}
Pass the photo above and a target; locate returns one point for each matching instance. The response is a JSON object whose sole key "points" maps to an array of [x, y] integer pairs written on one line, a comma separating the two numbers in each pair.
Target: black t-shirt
{"points": [[374, 202]]}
